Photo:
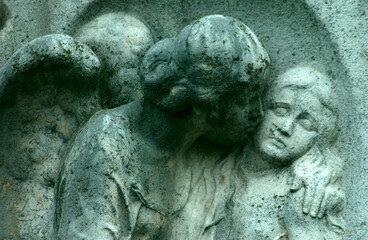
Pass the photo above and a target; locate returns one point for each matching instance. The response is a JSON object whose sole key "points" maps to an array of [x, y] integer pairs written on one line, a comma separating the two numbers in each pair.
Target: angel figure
{"points": [[160, 168]]}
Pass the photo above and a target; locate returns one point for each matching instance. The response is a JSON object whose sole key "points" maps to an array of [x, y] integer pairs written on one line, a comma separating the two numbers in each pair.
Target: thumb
{"points": [[296, 184]]}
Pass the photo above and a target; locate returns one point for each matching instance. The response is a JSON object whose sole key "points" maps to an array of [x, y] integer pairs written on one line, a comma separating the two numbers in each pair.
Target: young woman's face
{"points": [[290, 124]]}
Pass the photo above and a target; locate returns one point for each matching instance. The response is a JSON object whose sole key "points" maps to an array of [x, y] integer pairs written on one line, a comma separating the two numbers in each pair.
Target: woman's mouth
{"points": [[278, 142]]}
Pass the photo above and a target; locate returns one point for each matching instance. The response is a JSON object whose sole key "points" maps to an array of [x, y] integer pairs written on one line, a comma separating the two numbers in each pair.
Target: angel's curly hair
{"points": [[208, 58]]}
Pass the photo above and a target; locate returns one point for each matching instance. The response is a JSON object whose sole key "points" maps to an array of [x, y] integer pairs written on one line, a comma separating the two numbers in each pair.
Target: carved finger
{"points": [[296, 184], [317, 202], [310, 191]]}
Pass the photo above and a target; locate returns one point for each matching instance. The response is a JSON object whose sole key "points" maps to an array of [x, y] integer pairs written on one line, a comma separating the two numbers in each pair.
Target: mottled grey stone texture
{"points": [[62, 100]]}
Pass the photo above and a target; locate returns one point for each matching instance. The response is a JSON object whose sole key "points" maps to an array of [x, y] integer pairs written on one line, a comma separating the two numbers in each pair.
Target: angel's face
{"points": [[234, 116], [290, 125]]}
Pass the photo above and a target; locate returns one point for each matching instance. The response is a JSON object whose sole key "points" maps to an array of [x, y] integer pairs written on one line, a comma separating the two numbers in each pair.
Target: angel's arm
{"points": [[94, 200], [315, 172]]}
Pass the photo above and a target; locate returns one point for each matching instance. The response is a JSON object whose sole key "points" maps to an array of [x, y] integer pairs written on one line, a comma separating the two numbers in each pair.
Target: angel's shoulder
{"points": [[105, 138], [109, 123]]}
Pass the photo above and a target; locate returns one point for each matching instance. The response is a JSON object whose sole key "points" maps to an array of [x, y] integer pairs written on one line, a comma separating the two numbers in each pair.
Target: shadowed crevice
{"points": [[4, 14]]}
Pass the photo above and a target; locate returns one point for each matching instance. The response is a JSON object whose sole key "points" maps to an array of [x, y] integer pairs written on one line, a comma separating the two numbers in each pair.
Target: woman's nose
{"points": [[286, 127]]}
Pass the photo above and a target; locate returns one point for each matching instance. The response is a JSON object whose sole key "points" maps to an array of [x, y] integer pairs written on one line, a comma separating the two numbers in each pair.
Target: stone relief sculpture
{"points": [[180, 163]]}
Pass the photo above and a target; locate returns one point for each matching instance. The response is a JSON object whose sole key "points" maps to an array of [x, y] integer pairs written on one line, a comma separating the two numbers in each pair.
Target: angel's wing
{"points": [[48, 89], [120, 41]]}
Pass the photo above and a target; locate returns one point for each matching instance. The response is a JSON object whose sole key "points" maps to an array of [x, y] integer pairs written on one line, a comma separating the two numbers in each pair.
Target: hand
{"points": [[311, 172]]}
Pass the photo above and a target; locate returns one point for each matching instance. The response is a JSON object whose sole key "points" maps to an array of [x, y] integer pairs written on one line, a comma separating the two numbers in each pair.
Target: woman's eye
{"points": [[280, 111], [307, 124]]}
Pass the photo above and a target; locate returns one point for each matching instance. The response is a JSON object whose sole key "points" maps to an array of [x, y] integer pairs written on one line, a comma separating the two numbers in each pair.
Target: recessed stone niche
{"points": [[184, 119]]}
